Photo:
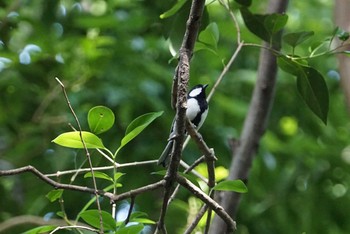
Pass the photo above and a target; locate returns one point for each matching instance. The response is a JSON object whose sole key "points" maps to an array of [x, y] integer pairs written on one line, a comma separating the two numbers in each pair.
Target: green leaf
{"points": [[275, 22], [210, 36], [208, 39], [116, 178], [92, 217], [140, 217], [231, 185], [311, 86], [255, 24], [133, 229], [99, 175], [294, 39], [245, 3], [118, 175], [42, 229], [178, 5], [53, 195], [100, 119], [288, 65], [313, 89], [73, 140], [161, 173], [60, 214], [144, 221], [137, 126]]}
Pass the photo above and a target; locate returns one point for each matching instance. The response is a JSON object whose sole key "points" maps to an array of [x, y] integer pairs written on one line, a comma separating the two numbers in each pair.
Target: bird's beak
{"points": [[205, 86]]}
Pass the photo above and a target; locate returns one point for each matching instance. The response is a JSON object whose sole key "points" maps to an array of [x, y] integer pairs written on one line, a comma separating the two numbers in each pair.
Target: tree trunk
{"points": [[342, 19], [254, 125]]}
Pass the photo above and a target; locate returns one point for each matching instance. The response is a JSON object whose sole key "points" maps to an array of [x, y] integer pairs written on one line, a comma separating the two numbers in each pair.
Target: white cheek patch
{"points": [[195, 92], [192, 108]]}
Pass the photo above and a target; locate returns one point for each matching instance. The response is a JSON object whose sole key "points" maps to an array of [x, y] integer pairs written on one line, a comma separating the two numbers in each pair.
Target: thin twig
{"points": [[73, 227], [195, 222], [86, 151], [132, 203], [17, 221], [83, 170]]}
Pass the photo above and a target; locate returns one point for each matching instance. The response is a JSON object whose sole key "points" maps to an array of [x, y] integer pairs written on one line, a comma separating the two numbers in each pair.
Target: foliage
{"points": [[119, 54]]}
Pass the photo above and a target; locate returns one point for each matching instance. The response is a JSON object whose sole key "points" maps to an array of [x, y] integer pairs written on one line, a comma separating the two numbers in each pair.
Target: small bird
{"points": [[197, 111]]}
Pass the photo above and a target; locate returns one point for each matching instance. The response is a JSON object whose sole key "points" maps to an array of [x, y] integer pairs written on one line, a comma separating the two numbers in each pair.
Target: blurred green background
{"points": [[116, 53]]}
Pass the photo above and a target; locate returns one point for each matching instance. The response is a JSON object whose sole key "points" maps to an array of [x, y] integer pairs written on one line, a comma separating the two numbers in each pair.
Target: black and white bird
{"points": [[197, 111]]}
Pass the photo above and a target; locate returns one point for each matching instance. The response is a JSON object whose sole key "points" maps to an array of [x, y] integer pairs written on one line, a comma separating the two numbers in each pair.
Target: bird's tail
{"points": [[164, 158]]}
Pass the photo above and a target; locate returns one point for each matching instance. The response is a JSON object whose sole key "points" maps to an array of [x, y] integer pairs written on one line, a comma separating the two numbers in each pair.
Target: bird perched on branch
{"points": [[197, 111]]}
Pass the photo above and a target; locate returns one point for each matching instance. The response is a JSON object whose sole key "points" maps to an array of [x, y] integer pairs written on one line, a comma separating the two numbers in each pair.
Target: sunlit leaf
{"points": [[118, 175], [100, 119], [138, 125], [92, 217], [231, 185], [53, 195], [73, 140]]}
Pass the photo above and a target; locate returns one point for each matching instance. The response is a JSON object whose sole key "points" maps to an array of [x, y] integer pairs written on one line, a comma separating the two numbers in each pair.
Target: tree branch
{"points": [[30, 219], [56, 185], [180, 84], [219, 210]]}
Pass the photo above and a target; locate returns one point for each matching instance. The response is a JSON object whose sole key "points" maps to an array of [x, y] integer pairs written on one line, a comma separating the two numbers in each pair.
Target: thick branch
{"points": [[254, 125], [182, 75], [342, 19]]}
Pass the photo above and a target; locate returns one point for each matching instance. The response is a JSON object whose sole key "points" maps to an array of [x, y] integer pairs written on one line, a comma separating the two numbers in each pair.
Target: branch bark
{"points": [[254, 125], [342, 19], [182, 76]]}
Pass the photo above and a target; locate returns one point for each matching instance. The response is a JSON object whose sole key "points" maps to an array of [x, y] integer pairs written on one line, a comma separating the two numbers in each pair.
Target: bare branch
{"points": [[219, 210], [31, 219], [56, 185], [73, 227], [180, 88], [83, 170]]}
